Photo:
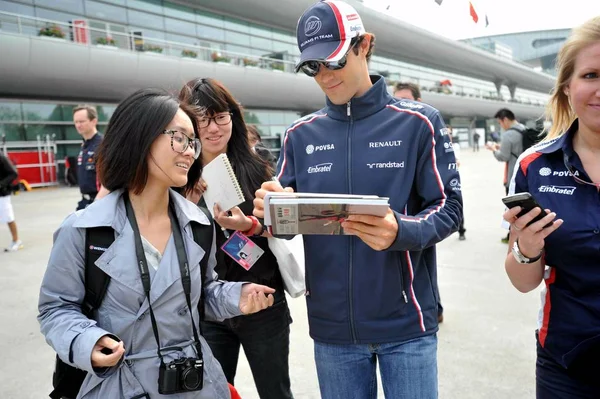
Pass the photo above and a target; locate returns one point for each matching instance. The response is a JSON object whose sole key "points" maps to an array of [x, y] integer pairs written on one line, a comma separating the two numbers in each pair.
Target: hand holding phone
{"points": [[527, 203]]}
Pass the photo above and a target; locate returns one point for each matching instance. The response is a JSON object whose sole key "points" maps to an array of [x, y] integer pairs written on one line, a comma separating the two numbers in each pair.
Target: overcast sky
{"points": [[452, 19]]}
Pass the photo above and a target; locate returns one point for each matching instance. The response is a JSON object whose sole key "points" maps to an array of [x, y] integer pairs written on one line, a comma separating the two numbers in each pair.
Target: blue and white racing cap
{"points": [[325, 30]]}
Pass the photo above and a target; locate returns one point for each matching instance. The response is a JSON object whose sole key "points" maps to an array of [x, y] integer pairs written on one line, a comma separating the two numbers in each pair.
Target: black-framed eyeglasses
{"points": [[180, 142], [574, 174], [220, 119], [311, 68]]}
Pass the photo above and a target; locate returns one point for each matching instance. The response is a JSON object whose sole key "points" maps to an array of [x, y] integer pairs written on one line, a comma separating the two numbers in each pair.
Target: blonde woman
{"points": [[563, 175]]}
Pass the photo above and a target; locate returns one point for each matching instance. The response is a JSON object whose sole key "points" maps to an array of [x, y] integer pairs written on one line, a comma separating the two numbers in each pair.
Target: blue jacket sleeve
{"points": [[437, 184], [286, 173]]}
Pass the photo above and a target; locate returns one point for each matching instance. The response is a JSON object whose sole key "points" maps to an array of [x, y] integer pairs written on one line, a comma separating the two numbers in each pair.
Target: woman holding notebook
{"points": [[264, 335]]}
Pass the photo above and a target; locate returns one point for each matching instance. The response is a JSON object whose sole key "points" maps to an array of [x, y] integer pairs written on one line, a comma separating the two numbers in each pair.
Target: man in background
{"points": [[510, 147], [85, 118], [476, 137], [8, 173], [407, 91]]}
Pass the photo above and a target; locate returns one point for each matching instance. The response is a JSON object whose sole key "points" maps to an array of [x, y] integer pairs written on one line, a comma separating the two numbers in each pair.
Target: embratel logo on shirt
{"points": [[563, 190], [448, 147], [325, 147], [320, 168]]}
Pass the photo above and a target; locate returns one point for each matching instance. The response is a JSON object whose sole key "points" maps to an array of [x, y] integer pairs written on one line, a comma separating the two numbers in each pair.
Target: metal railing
{"points": [[105, 38], [42, 173]]}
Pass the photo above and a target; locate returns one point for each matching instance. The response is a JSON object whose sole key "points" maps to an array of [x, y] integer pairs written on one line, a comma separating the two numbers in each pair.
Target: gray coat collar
{"points": [[110, 211], [119, 260]]}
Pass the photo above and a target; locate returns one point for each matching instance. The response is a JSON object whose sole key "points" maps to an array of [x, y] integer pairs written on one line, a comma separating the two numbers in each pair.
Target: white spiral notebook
{"points": [[222, 186]]}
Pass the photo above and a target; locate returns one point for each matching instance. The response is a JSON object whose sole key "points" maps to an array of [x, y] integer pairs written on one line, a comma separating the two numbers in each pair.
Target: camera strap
{"points": [[185, 273], [145, 275]]}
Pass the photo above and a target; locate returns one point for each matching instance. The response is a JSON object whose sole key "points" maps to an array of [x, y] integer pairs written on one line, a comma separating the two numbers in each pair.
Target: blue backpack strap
{"points": [[203, 235]]}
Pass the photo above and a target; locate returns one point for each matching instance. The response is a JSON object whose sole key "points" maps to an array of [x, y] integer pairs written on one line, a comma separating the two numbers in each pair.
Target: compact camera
{"points": [[181, 375]]}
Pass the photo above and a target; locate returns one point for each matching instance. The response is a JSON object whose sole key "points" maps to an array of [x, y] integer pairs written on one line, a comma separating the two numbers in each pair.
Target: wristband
{"points": [[250, 231], [262, 229]]}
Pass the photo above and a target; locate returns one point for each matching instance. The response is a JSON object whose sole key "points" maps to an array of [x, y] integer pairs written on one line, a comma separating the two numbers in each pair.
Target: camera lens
{"points": [[191, 379]]}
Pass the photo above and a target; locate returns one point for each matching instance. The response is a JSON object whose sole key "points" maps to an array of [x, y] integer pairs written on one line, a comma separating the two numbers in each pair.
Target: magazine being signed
{"points": [[308, 213]]}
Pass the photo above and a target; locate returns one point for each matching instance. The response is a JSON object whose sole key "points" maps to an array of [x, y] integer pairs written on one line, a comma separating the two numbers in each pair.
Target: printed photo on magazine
{"points": [[319, 215]]}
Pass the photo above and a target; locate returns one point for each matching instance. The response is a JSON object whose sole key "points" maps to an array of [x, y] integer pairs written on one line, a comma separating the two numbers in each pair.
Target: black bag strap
{"points": [[97, 240], [522, 133], [66, 380], [203, 235]]}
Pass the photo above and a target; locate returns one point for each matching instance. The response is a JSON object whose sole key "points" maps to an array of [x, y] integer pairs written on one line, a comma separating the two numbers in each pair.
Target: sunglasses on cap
{"points": [[311, 68]]}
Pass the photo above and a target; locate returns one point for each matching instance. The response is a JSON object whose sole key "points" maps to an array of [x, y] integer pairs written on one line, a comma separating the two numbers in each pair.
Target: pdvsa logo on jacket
{"points": [[545, 171], [325, 147]]}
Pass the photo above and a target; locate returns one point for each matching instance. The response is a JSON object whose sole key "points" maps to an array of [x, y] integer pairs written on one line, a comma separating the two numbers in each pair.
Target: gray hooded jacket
{"points": [[124, 311]]}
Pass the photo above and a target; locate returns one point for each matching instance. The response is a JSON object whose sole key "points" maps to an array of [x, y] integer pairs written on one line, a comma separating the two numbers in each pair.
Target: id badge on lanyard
{"points": [[242, 250]]}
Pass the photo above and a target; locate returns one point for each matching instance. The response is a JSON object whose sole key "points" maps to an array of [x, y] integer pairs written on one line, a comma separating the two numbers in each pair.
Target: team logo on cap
{"points": [[312, 26]]}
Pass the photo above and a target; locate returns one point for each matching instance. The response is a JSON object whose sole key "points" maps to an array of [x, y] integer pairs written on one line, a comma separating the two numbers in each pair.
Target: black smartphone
{"points": [[527, 203]]}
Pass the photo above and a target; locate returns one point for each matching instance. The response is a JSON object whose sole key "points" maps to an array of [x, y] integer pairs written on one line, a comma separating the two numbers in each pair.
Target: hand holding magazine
{"points": [[311, 213]]}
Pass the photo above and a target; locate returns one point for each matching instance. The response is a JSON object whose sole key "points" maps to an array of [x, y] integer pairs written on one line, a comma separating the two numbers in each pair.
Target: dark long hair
{"points": [[212, 97], [133, 127]]}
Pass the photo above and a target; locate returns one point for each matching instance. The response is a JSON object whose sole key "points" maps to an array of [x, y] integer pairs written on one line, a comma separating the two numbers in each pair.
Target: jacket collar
{"points": [[371, 102], [110, 211], [564, 142]]}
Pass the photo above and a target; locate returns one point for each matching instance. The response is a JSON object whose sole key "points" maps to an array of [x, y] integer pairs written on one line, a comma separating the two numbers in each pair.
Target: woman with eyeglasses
{"points": [[144, 340], [562, 173], [264, 335]]}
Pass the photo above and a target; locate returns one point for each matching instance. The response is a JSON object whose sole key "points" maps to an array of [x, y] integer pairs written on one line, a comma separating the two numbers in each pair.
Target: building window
{"points": [[179, 11], [105, 12], [145, 19], [74, 6]]}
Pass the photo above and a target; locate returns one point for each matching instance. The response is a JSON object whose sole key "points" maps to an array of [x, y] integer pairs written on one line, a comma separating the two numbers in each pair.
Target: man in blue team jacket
{"points": [[371, 294]]}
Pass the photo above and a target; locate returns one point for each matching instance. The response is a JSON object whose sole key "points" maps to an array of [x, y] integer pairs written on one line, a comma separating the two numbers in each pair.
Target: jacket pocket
{"points": [[401, 278], [122, 384], [307, 281]]}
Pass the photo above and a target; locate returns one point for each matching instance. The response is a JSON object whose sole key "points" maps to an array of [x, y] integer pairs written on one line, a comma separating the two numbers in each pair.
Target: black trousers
{"points": [[580, 381], [265, 337]]}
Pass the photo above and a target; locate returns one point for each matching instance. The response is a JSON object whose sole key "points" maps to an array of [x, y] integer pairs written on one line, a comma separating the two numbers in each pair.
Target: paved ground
{"points": [[486, 344]]}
